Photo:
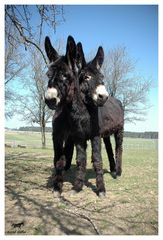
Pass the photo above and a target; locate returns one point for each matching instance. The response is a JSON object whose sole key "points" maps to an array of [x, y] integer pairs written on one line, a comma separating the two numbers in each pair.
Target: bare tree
{"points": [[32, 106], [13, 63], [14, 67], [123, 83], [24, 27]]}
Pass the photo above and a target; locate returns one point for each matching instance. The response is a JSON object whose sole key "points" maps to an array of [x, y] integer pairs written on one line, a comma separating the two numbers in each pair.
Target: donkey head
{"points": [[61, 74], [90, 78]]}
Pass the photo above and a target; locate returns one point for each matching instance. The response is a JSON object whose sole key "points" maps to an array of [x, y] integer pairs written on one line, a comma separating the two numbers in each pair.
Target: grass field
{"points": [[130, 206]]}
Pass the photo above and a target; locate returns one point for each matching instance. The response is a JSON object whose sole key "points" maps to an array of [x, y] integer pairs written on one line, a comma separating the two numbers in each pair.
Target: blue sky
{"points": [[134, 26]]}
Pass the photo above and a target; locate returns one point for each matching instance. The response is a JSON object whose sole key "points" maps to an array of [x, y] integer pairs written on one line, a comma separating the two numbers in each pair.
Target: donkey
{"points": [[110, 115], [72, 119]]}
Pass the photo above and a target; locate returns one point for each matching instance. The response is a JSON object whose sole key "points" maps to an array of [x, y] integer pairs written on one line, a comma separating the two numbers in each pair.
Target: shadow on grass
{"points": [[52, 216], [44, 213], [70, 175], [22, 177]]}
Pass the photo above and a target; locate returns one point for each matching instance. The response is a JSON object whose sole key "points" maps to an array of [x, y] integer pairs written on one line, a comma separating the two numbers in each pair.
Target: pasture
{"points": [[129, 208]]}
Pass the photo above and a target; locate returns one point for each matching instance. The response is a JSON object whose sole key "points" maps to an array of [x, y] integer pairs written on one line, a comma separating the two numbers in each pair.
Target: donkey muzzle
{"points": [[51, 98], [100, 95]]}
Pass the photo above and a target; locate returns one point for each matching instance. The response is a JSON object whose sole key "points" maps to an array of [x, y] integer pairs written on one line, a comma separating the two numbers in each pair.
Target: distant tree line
{"points": [[33, 129], [148, 135]]}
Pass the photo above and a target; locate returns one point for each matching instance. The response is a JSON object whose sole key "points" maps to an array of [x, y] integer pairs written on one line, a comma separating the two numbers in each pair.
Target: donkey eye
{"points": [[88, 77], [49, 74]]}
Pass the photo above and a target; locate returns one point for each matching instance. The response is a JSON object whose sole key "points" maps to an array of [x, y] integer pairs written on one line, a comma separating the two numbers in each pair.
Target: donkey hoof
{"points": [[113, 174], [119, 172], [101, 194]]}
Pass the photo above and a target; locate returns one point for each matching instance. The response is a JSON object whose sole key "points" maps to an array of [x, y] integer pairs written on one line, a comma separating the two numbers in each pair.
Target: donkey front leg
{"points": [[59, 164], [97, 164], [81, 165], [118, 151], [68, 152]]}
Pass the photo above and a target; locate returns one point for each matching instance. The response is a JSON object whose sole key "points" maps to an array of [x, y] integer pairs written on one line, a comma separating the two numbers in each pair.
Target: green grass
{"points": [[130, 206], [31, 139]]}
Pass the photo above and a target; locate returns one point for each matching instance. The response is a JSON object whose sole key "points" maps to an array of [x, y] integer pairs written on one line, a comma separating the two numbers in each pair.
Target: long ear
{"points": [[81, 63], [71, 52], [50, 51], [99, 58]]}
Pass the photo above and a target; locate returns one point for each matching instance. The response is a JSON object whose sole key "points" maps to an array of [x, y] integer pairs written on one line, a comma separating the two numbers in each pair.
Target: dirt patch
{"points": [[31, 208]]}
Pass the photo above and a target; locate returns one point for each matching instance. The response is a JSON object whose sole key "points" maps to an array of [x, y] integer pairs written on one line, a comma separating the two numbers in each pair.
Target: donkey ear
{"points": [[99, 58], [71, 52], [50, 51], [81, 63]]}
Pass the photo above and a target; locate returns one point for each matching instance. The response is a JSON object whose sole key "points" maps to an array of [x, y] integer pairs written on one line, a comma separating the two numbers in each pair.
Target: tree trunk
{"points": [[43, 137]]}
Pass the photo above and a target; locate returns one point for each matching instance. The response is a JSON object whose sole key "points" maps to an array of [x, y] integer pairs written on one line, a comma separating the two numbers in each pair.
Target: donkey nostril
{"points": [[100, 96], [106, 97]]}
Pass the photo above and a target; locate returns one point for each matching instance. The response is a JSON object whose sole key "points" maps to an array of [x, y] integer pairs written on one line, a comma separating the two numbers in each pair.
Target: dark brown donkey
{"points": [[110, 115]]}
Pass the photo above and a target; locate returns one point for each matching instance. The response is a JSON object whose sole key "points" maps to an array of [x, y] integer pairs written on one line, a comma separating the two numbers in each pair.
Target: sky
{"points": [[133, 26]]}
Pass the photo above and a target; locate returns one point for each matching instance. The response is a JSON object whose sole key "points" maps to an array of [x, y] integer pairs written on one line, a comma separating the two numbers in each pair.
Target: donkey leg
{"points": [[81, 166], [59, 164], [97, 164], [110, 154], [68, 152], [118, 151]]}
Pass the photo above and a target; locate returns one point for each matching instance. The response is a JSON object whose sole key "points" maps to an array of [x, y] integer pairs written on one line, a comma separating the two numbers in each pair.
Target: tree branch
{"points": [[25, 39]]}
